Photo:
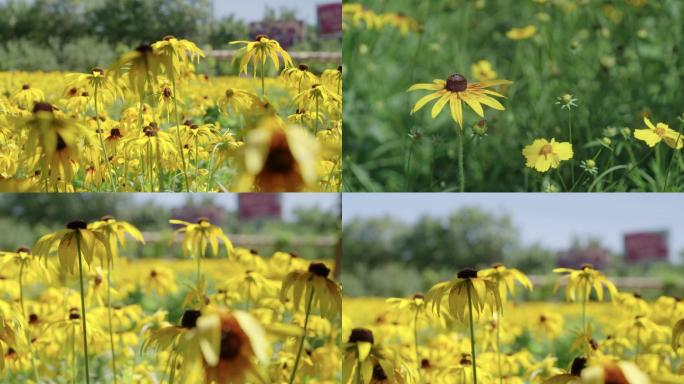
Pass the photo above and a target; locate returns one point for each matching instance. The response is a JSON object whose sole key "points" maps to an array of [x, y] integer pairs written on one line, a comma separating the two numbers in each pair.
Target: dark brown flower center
{"points": [[230, 344], [587, 266], [456, 83], [77, 224], [578, 365], [97, 70], [361, 335], [33, 318], [169, 37], [280, 159], [379, 373], [144, 48], [189, 319], [153, 273], [260, 37], [43, 107], [167, 93], [115, 132], [25, 86], [303, 67], [418, 296], [319, 269], [425, 364], [23, 249], [202, 220], [465, 359], [467, 273], [85, 94]]}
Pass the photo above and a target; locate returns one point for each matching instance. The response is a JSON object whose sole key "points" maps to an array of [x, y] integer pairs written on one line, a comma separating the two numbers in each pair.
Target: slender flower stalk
{"points": [[83, 307], [301, 342], [472, 334]]}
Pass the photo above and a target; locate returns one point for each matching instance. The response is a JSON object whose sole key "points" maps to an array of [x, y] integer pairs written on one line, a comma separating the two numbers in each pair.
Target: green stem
{"points": [[498, 349], [196, 163], [572, 161], [109, 315], [301, 343], [109, 170], [149, 164], [472, 333], [584, 311], [74, 369], [316, 118], [178, 136], [461, 174], [83, 310], [23, 313], [263, 75], [358, 372]]}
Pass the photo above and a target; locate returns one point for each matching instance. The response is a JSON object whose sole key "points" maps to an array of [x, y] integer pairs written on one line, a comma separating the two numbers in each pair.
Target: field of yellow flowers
{"points": [[73, 310], [475, 328], [150, 123], [499, 95]]}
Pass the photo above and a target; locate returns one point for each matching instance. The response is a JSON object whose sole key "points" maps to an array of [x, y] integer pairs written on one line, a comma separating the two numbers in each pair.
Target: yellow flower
{"points": [[177, 54], [317, 288], [483, 71], [609, 371], [661, 132], [198, 236], [522, 33], [115, 232], [678, 335], [505, 279], [142, 66], [583, 281], [543, 155], [276, 158], [260, 50], [67, 243], [467, 287], [455, 90], [27, 96]]}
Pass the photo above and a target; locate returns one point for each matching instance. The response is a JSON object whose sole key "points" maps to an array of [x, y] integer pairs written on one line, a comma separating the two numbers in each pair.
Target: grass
{"points": [[621, 62]]}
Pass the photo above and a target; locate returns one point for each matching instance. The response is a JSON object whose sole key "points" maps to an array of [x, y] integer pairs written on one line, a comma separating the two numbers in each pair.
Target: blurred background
{"points": [[76, 35], [303, 223], [395, 245]]}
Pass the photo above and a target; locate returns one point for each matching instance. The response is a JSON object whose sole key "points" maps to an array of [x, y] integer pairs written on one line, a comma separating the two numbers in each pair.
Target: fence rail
{"points": [[299, 56], [247, 241], [620, 282]]}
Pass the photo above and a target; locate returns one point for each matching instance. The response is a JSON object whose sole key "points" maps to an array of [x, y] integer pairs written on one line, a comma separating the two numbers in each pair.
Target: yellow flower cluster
{"points": [[150, 123], [128, 321], [629, 340], [358, 15]]}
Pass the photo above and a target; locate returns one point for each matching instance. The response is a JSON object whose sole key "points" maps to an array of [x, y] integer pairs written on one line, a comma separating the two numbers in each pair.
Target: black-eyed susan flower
{"points": [[299, 76], [238, 100], [456, 90], [653, 135], [277, 158], [581, 282], [468, 294], [318, 291], [198, 236], [365, 361], [317, 97], [142, 65], [176, 54], [505, 279], [27, 96], [609, 371], [259, 51], [74, 244], [543, 155]]}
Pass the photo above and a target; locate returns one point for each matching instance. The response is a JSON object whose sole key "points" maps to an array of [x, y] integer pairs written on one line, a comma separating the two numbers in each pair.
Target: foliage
{"points": [[617, 61]]}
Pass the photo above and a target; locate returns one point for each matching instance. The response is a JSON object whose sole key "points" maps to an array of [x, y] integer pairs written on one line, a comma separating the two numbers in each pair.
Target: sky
{"points": [[253, 10], [548, 219], [290, 200]]}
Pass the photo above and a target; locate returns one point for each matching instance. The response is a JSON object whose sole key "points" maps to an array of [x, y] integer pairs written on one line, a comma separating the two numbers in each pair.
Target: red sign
{"points": [[646, 246], [330, 18], [254, 206]]}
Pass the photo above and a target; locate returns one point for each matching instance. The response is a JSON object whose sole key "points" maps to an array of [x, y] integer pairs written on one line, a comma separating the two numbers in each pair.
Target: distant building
{"points": [[574, 258], [286, 32], [643, 247]]}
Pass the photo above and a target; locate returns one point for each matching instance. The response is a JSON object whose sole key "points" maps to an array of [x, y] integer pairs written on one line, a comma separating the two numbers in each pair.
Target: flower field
{"points": [[427, 338], [72, 310], [494, 95], [150, 123]]}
